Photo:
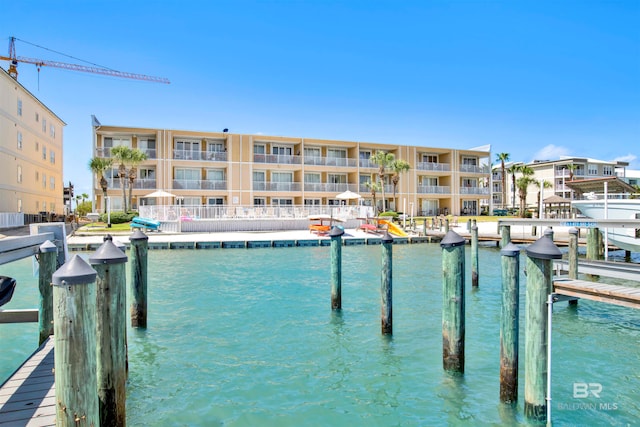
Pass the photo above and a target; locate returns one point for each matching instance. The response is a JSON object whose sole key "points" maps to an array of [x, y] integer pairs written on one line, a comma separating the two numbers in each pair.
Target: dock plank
{"points": [[27, 398], [612, 294]]}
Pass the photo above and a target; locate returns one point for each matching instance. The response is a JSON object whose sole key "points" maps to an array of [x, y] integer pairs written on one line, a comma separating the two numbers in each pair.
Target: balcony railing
{"points": [[438, 167], [474, 190], [330, 161], [277, 186], [474, 169], [366, 163], [283, 159], [434, 189], [137, 184], [106, 152], [215, 156], [329, 187], [199, 184]]}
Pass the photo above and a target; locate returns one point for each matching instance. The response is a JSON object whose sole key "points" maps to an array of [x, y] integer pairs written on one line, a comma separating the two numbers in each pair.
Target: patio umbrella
{"points": [[348, 195], [160, 193]]}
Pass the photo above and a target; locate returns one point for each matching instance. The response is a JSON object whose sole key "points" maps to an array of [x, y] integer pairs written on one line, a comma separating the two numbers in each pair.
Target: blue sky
{"points": [[536, 79]]}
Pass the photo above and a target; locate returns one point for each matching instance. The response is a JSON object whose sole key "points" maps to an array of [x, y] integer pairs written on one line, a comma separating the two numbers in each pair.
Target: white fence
{"points": [[11, 219], [179, 218]]}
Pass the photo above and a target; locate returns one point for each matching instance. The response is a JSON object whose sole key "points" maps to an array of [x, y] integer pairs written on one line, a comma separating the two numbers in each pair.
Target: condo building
{"points": [[227, 169], [554, 175], [31, 180]]}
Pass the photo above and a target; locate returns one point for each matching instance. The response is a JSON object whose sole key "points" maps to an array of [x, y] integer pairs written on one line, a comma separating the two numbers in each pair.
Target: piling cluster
{"points": [[83, 305]]}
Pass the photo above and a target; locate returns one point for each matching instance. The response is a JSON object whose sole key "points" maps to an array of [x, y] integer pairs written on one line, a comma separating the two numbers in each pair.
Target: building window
{"points": [[37, 146], [429, 158], [44, 153], [52, 183], [37, 176], [259, 201], [109, 142], [215, 201], [37, 117], [19, 205], [259, 149], [44, 206], [44, 125], [44, 180], [607, 170], [19, 174], [19, 140], [20, 107], [52, 157], [592, 169], [52, 131]]}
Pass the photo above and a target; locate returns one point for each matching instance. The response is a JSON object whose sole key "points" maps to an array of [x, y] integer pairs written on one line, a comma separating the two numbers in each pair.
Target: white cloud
{"points": [[550, 152], [628, 158]]}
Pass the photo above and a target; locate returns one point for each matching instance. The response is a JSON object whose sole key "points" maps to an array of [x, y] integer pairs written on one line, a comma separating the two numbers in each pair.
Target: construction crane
{"points": [[13, 67]]}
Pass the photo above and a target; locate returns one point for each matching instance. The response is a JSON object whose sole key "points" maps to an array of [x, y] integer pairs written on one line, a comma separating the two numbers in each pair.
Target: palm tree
{"points": [[383, 160], [545, 184], [572, 168], [398, 166], [503, 157], [99, 165], [122, 155], [522, 184], [136, 157], [374, 187], [512, 170]]}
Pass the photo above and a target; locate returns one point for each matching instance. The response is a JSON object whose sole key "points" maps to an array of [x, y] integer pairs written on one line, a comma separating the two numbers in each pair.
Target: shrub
{"points": [[392, 214], [118, 217]]}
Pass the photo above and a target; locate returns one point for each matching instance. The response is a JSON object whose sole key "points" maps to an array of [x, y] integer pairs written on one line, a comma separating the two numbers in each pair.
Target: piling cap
{"points": [[510, 250], [76, 271], [451, 240], [48, 246], [138, 235], [548, 232], [336, 231], [108, 253], [387, 238], [573, 230], [543, 248]]}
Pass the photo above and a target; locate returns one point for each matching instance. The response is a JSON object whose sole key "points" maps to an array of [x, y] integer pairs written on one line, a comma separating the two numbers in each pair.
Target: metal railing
{"points": [[277, 186], [214, 156], [474, 190], [438, 167], [434, 189]]}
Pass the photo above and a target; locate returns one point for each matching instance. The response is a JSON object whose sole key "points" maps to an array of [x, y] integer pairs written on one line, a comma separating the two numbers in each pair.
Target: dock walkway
{"points": [[612, 294], [27, 398]]}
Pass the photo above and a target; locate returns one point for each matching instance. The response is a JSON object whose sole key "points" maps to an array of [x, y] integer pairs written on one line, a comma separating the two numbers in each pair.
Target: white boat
{"points": [[624, 238]]}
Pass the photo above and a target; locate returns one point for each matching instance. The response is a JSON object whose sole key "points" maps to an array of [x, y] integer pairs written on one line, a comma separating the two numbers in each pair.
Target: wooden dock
{"points": [[612, 294], [27, 398]]}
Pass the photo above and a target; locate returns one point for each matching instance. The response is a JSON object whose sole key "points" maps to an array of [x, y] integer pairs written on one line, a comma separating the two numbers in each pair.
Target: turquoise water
{"points": [[247, 338]]}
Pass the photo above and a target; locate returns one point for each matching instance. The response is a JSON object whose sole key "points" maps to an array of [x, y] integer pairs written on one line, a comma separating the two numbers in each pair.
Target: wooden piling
{"points": [[474, 255], [594, 243], [47, 262], [111, 333], [139, 250], [386, 285], [336, 267], [505, 235], [573, 253], [74, 300], [540, 256], [509, 323], [453, 321]]}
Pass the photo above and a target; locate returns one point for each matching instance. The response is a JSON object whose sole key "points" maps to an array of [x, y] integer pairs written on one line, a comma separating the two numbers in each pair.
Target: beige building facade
{"points": [[31, 135], [221, 168]]}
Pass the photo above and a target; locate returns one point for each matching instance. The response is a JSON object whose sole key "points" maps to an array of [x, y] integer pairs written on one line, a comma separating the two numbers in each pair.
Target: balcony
{"points": [[330, 161], [199, 184], [474, 169], [277, 186], [483, 191], [366, 163], [139, 183], [282, 159], [329, 187], [436, 167], [106, 152], [434, 189], [214, 156]]}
